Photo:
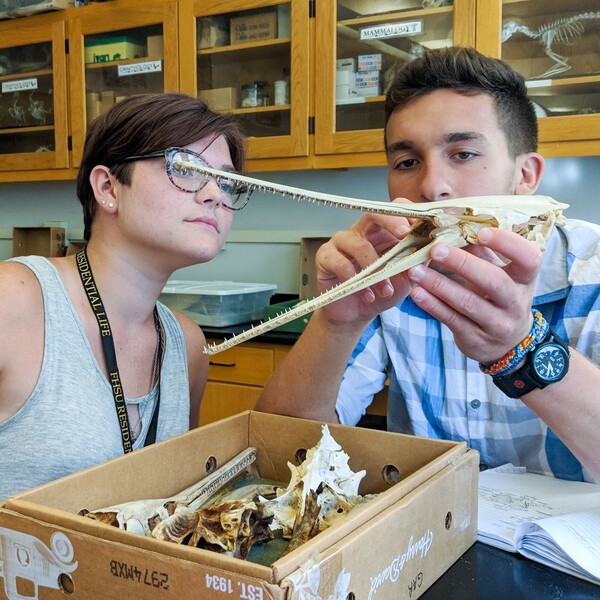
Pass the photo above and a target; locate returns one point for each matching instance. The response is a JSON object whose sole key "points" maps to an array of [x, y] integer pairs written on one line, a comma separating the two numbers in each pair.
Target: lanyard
{"points": [[89, 285]]}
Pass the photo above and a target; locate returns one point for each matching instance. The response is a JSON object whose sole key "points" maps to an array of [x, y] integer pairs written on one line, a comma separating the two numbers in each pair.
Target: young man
{"points": [[459, 124], [64, 405]]}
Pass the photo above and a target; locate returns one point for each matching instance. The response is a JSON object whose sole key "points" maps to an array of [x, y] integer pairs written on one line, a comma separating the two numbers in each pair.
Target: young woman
{"points": [[91, 365]]}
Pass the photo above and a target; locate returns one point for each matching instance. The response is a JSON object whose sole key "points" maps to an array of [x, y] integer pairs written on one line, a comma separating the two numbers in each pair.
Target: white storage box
{"points": [[218, 303]]}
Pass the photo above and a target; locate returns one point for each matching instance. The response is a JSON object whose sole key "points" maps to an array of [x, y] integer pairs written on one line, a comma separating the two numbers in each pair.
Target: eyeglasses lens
{"points": [[182, 176], [233, 194]]}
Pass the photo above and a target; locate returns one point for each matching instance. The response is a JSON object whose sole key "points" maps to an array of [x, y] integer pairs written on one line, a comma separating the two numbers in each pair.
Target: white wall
{"points": [[264, 243]]}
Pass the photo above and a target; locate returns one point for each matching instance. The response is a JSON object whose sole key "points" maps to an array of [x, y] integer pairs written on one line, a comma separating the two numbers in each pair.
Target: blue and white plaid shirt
{"points": [[436, 391]]}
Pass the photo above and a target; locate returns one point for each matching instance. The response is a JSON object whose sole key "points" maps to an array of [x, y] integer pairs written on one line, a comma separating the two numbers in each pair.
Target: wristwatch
{"points": [[547, 364]]}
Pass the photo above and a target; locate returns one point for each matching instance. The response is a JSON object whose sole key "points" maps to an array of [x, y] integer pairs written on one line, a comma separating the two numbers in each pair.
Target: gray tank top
{"points": [[69, 422]]}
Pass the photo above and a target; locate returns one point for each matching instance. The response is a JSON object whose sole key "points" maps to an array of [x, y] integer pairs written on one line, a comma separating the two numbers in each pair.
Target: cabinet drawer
{"points": [[242, 364], [222, 400]]}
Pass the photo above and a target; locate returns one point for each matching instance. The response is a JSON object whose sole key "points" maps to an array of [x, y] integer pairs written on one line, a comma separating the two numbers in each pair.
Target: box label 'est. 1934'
{"points": [[244, 591]]}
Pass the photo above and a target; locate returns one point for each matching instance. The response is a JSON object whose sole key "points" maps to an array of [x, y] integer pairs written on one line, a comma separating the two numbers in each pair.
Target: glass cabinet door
{"points": [[362, 43], [117, 53], [33, 124], [555, 46], [250, 58]]}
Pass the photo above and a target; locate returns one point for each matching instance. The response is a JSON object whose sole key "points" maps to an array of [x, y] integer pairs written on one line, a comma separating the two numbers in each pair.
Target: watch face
{"points": [[549, 362]]}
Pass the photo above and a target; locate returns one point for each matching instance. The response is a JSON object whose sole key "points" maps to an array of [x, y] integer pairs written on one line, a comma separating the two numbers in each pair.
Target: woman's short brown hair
{"points": [[147, 123]]}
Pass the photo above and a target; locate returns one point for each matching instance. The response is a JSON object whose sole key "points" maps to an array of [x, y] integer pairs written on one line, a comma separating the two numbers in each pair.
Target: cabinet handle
{"points": [[216, 364]]}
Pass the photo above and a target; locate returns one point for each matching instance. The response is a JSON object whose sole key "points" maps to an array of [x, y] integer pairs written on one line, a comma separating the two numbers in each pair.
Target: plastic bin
{"points": [[218, 303]]}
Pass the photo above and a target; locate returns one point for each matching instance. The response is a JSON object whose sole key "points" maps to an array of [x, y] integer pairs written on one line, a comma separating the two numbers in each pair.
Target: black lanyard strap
{"points": [[108, 346], [151, 435]]}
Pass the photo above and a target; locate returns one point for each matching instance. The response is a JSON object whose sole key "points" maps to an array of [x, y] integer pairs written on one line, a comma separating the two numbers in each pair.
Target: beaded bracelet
{"points": [[513, 357]]}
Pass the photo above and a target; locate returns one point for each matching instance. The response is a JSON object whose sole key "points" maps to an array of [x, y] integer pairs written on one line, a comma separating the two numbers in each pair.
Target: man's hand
{"points": [[350, 251], [489, 311]]}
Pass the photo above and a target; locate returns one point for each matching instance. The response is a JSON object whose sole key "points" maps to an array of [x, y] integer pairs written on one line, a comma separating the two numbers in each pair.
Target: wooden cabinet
{"points": [[236, 378], [118, 49], [33, 95], [361, 43], [554, 44], [71, 65], [346, 117], [279, 65], [251, 58]]}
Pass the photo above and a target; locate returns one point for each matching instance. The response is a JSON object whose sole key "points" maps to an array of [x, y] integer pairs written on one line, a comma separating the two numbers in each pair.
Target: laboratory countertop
{"points": [[487, 573]]}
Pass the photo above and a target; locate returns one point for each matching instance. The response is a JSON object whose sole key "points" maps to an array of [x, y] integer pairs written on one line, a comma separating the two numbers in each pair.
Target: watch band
{"points": [[524, 379]]}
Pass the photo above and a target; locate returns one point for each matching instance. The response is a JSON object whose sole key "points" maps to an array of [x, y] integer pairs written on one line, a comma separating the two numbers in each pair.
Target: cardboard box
{"points": [[345, 64], [155, 46], [308, 272], [367, 84], [42, 241], [114, 48], [374, 7], [93, 106], [75, 246], [253, 27], [394, 546], [224, 98], [212, 33]]}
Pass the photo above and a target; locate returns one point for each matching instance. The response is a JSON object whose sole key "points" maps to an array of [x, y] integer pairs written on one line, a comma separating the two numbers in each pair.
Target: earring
{"points": [[103, 201], [111, 205]]}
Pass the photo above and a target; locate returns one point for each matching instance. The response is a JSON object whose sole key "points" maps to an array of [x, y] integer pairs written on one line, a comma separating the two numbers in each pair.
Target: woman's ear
{"points": [[530, 168], [103, 184]]}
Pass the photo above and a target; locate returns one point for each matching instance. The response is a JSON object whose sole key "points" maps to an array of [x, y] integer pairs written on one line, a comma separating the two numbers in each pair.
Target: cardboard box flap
{"points": [[404, 556], [166, 468], [365, 447]]}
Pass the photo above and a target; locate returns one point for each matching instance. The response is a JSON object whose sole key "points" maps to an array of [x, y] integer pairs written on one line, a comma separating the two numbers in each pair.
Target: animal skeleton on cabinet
{"points": [[560, 31]]}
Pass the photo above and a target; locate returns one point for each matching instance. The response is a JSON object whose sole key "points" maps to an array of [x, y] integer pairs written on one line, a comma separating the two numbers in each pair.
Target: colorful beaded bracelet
{"points": [[513, 357]]}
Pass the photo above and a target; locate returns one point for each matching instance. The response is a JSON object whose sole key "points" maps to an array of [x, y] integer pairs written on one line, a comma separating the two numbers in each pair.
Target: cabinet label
{"points": [[19, 85], [151, 66], [391, 30], [539, 83]]}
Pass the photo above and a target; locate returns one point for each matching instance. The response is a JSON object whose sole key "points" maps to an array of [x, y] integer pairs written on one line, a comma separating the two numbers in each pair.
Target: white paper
{"points": [[551, 521]]}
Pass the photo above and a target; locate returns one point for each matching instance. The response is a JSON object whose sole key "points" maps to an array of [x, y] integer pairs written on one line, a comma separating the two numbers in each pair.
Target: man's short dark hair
{"points": [[147, 123], [466, 71]]}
